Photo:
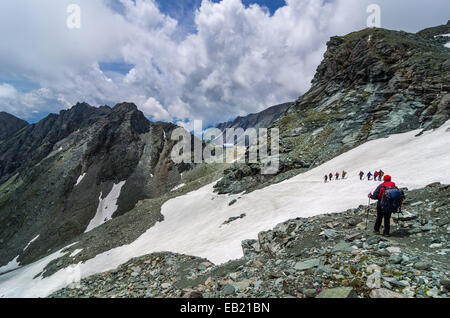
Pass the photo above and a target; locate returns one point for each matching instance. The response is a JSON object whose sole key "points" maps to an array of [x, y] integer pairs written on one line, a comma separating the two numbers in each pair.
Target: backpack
{"points": [[391, 200]]}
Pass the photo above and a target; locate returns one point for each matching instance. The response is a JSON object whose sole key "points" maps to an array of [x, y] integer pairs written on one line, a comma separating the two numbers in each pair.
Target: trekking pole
{"points": [[367, 217]]}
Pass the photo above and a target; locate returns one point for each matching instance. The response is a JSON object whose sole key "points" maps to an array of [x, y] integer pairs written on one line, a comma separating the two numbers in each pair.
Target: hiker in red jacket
{"points": [[337, 175], [375, 176], [386, 207], [331, 176]]}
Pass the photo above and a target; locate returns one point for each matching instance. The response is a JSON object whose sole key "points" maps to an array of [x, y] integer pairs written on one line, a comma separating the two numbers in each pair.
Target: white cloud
{"points": [[153, 108], [7, 92], [238, 61]]}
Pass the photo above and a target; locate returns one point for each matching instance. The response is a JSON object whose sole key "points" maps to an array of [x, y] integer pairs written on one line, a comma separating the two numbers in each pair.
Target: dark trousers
{"points": [[387, 221]]}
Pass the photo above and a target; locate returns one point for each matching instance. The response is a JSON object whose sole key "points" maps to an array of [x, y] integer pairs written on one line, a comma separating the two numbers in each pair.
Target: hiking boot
{"points": [[376, 232], [386, 235]]}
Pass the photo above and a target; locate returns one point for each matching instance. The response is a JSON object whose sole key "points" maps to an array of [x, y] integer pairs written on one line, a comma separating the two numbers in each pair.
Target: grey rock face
{"points": [[9, 125], [370, 84], [41, 165], [263, 119]]}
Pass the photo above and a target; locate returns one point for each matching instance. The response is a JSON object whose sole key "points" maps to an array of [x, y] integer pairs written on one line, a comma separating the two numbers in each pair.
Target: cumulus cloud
{"points": [[239, 59], [7, 92], [26, 104], [153, 108]]}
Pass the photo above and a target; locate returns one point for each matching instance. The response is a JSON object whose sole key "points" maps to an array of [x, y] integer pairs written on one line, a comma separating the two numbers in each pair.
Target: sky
{"points": [[178, 60]]}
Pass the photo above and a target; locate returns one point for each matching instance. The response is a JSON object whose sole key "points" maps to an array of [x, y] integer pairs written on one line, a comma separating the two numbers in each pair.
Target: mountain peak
{"points": [[125, 107], [9, 125], [374, 55]]}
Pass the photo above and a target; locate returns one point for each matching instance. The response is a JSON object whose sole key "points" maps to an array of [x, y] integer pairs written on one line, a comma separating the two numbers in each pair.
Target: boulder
{"points": [[423, 266], [310, 293], [373, 240], [342, 247], [329, 234], [394, 250], [340, 292], [228, 290], [242, 285], [193, 294], [395, 259], [446, 284], [311, 263], [385, 293]]}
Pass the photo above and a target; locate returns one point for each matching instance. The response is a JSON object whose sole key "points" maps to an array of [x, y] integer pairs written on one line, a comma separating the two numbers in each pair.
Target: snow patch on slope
{"points": [[21, 282], [192, 222], [31, 242], [106, 207], [14, 264], [80, 178], [76, 252], [446, 35], [178, 187]]}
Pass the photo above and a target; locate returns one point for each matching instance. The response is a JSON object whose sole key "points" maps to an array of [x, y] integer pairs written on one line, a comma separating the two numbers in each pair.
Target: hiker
{"points": [[344, 174], [337, 175], [326, 178], [369, 175], [375, 176], [381, 174], [330, 176], [361, 175], [390, 199]]}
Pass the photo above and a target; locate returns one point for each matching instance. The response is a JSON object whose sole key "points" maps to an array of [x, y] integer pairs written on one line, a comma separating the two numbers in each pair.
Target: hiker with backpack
{"points": [[390, 200], [369, 175], [330, 176], [361, 175], [375, 176], [326, 178], [337, 175], [381, 174], [344, 174]]}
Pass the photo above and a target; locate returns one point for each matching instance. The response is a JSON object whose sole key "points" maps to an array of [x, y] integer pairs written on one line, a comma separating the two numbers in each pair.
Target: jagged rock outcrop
{"points": [[371, 84], [263, 119], [54, 174], [9, 125]]}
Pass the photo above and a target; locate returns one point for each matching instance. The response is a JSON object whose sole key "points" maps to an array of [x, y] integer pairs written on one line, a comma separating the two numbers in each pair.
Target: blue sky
{"points": [[179, 60]]}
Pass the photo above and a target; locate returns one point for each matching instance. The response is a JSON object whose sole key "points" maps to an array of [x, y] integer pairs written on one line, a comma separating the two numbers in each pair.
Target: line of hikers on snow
{"points": [[377, 175], [330, 176]]}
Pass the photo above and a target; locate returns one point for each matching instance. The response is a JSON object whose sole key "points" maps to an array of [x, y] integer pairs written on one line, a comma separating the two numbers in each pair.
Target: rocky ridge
{"points": [[370, 84], [54, 173], [9, 125], [263, 119]]}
